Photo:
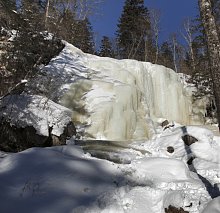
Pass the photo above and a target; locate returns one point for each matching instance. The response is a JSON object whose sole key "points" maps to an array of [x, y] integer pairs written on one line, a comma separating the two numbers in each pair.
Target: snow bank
{"points": [[64, 179], [117, 99], [213, 206]]}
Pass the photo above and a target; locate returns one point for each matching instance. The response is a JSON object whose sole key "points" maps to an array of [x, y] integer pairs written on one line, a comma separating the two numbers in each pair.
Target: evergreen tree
{"points": [[33, 14], [201, 74], [29, 48], [166, 55], [134, 31], [84, 36], [7, 8], [106, 48]]}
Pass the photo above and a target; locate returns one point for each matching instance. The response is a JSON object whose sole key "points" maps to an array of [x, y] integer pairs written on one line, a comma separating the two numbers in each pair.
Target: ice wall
{"points": [[121, 99]]}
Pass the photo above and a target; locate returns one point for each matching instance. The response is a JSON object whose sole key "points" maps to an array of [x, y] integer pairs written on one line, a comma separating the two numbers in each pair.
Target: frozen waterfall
{"points": [[121, 99]]}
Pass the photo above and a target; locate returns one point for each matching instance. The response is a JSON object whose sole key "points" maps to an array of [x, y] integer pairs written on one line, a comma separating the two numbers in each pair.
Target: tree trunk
{"points": [[47, 13], [213, 48]]}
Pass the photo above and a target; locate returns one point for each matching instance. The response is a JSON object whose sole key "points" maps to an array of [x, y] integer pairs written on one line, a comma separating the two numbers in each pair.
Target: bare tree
{"points": [[174, 50], [213, 42], [188, 36], [47, 12], [88, 7], [155, 22]]}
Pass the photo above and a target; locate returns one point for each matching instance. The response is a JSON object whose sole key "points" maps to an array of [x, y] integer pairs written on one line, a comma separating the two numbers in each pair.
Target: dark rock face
{"points": [[172, 209], [15, 139], [188, 139]]}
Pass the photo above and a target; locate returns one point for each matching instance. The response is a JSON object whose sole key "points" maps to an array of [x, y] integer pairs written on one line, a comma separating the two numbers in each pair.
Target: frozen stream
{"points": [[112, 150]]}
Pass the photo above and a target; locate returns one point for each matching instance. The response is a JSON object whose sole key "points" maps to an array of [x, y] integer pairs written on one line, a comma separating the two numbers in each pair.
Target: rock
{"points": [[188, 139], [164, 123], [172, 209], [16, 139], [170, 149], [33, 121], [189, 162], [68, 132]]}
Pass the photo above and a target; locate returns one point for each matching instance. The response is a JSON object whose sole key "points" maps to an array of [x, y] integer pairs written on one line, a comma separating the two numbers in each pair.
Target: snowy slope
{"points": [[118, 99], [64, 179]]}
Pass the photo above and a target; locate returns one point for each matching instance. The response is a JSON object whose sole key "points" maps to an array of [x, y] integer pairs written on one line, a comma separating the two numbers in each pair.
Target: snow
{"points": [[36, 111], [213, 206], [120, 100], [67, 179], [64, 179], [101, 90]]}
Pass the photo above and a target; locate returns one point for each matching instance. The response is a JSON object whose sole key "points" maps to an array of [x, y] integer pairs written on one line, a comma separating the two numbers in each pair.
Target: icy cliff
{"points": [[118, 99]]}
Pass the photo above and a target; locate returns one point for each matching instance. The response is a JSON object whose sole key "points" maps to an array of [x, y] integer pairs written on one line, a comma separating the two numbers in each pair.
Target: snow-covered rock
{"points": [[30, 120]]}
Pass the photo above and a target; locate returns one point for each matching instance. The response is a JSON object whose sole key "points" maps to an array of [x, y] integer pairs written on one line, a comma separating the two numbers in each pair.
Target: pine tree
{"points": [[84, 36], [29, 47], [166, 55], [134, 31], [33, 14], [7, 8], [106, 48]]}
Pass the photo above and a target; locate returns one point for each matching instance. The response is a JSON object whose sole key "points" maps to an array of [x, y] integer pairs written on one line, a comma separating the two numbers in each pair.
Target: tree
{"points": [[33, 14], [106, 48], [213, 42], [7, 9], [155, 21], [166, 55], [84, 36], [216, 13], [134, 32], [174, 49], [188, 36], [29, 47]]}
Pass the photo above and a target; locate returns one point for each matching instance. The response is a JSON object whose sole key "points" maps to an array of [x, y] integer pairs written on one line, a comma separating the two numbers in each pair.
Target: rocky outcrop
{"points": [[33, 121]]}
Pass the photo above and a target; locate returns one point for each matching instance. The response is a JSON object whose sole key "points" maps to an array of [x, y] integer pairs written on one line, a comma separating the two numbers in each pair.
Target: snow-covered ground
{"points": [[65, 179]]}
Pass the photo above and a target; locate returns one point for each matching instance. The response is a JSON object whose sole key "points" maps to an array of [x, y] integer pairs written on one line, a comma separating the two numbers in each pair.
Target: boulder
{"points": [[170, 149], [172, 209], [33, 121], [188, 139]]}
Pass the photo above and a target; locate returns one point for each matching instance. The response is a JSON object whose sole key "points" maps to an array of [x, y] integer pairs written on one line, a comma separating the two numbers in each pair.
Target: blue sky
{"points": [[173, 12]]}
